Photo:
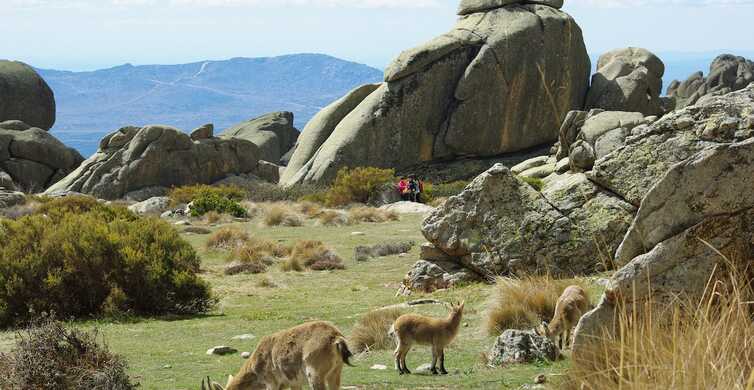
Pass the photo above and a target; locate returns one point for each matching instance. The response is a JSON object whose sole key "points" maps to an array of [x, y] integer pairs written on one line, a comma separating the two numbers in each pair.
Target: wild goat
{"points": [[312, 353], [410, 329], [571, 305]]}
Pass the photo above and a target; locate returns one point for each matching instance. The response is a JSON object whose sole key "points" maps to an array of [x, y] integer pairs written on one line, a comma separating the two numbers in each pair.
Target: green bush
{"points": [[50, 356], [80, 258], [214, 202], [442, 190], [271, 193], [186, 194], [357, 185]]}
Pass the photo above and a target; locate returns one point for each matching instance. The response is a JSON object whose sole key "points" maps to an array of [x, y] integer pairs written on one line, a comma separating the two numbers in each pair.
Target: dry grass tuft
{"points": [[371, 214], [257, 250], [212, 217], [266, 282], [227, 238], [523, 303], [370, 333], [313, 255], [310, 209], [281, 214], [333, 218]]}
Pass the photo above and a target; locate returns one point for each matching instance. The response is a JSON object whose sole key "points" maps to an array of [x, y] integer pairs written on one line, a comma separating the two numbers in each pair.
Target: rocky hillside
{"points": [[92, 104]]}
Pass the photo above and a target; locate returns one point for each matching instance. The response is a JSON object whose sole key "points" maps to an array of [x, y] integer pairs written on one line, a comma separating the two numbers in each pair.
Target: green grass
{"points": [[170, 353]]}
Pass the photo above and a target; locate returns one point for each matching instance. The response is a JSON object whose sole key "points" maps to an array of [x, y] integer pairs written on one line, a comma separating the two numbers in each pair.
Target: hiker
{"points": [[403, 189], [413, 189]]}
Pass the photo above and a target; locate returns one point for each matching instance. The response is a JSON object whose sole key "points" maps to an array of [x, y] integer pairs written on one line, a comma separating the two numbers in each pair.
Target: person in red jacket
{"points": [[403, 189]]}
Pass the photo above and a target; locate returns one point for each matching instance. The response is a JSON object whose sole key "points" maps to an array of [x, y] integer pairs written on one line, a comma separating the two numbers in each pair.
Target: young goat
{"points": [[571, 305], [410, 329], [312, 353]]}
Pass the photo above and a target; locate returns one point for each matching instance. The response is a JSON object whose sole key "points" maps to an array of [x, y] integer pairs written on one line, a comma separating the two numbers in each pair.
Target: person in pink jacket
{"points": [[403, 189]]}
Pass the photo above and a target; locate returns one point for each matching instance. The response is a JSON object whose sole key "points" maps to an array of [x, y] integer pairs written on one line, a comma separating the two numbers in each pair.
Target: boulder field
{"points": [[500, 81], [649, 181]]}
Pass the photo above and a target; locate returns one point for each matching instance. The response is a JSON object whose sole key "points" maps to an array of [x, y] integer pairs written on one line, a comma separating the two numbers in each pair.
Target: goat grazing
{"points": [[571, 305], [410, 329], [312, 353]]}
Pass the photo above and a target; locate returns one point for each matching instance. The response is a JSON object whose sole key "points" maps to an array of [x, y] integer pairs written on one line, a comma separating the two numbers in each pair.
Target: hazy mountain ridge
{"points": [[91, 104]]}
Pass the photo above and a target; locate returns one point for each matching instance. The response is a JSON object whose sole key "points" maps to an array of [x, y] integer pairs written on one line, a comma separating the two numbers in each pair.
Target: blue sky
{"points": [[90, 34]]}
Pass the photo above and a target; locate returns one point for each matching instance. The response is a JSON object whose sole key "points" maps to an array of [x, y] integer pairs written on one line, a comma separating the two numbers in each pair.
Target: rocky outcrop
{"points": [[31, 159], [627, 79], [727, 73], [700, 211], [320, 127], [25, 96], [273, 133], [521, 347], [461, 95], [142, 159]]}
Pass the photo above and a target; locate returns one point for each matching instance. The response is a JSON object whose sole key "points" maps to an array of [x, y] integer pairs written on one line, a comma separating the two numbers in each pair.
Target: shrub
{"points": [[523, 303], [313, 255], [370, 332], [258, 251], [281, 214], [49, 356], [268, 192], [371, 214], [186, 194], [227, 238], [333, 218], [357, 185], [215, 203], [72, 258]]}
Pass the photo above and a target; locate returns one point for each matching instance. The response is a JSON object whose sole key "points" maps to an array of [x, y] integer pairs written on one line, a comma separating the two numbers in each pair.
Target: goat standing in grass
{"points": [[572, 304], [410, 329], [312, 353]]}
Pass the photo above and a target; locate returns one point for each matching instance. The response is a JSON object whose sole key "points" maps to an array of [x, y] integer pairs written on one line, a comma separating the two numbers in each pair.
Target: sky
{"points": [[93, 34]]}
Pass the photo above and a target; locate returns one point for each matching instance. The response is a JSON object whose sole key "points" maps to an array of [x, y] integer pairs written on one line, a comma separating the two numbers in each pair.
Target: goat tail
{"points": [[345, 353], [391, 331]]}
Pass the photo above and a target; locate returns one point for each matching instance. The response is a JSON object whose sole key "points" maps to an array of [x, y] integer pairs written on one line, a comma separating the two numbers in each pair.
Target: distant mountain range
{"points": [[92, 104]]}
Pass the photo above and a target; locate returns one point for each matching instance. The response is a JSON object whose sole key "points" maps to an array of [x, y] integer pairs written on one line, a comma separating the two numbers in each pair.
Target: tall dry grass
{"points": [[702, 344], [227, 238], [371, 214], [523, 303], [313, 255], [282, 214], [370, 332]]}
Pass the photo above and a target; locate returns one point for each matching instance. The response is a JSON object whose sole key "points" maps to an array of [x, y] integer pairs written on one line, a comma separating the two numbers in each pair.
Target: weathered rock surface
{"points": [[404, 207], [273, 133], [471, 6], [203, 132], [25, 96], [520, 347], [699, 207], [32, 158], [627, 79], [156, 205], [428, 276], [727, 73], [133, 158], [321, 126], [9, 198], [459, 95], [632, 170]]}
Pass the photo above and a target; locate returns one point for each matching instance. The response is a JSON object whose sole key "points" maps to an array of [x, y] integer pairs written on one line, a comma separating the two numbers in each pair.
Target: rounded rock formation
{"points": [[727, 73], [273, 133], [25, 96]]}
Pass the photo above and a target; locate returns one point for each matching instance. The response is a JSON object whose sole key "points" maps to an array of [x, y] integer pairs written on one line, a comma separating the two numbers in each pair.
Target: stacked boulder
{"points": [[140, 163], [574, 219], [25, 96], [727, 73], [500, 81], [273, 133], [692, 172]]}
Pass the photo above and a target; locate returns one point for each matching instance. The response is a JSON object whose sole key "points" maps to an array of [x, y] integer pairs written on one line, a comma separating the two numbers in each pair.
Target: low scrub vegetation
{"points": [[333, 218], [371, 331], [217, 204], [523, 303], [77, 258], [50, 356], [371, 214], [357, 185], [255, 255], [227, 238], [186, 194], [282, 214], [433, 192], [313, 255]]}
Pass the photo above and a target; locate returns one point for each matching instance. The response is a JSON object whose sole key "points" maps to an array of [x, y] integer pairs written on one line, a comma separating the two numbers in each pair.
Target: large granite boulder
{"points": [[273, 133], [521, 347], [321, 126], [471, 6], [25, 96], [650, 151], [627, 79], [139, 159], [727, 73], [31, 159], [700, 211], [501, 225], [500, 81]]}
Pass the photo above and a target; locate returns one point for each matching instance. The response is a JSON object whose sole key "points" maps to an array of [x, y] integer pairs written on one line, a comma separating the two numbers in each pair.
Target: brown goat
{"points": [[410, 329], [312, 353], [571, 305]]}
